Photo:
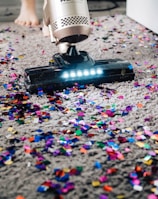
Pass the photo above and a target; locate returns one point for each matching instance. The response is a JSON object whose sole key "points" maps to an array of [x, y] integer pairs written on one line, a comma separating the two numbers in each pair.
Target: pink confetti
{"points": [[127, 150], [120, 97], [152, 196]]}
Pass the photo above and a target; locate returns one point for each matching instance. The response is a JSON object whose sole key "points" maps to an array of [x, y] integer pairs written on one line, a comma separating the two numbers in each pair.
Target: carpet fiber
{"points": [[92, 143]]}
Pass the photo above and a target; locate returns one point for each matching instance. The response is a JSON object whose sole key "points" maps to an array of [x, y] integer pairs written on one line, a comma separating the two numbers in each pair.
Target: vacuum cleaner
{"points": [[69, 23]]}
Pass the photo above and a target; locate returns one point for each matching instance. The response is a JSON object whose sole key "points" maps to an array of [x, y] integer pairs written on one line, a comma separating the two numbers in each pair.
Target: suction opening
{"points": [[74, 38]]}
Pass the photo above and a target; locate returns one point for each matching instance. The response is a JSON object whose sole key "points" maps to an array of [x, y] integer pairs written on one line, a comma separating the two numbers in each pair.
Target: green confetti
{"points": [[20, 121], [100, 144], [147, 146], [63, 151], [79, 168], [78, 132], [45, 106], [62, 138]]}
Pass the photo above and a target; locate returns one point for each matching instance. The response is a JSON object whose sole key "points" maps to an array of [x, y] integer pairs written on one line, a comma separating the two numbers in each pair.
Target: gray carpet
{"points": [[92, 143]]}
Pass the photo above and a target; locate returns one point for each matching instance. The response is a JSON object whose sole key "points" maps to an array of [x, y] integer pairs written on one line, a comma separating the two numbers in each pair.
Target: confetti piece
{"points": [[83, 150], [107, 188], [148, 162], [102, 179], [20, 197], [8, 162], [42, 189], [111, 171], [102, 196], [120, 196], [97, 165], [155, 183], [138, 188], [120, 97], [127, 149], [78, 132], [139, 105], [140, 144], [152, 196], [27, 149], [95, 183], [61, 176], [31, 139], [59, 197]]}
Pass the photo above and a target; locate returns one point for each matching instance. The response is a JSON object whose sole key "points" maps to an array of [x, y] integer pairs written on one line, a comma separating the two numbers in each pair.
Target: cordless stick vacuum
{"points": [[69, 23]]}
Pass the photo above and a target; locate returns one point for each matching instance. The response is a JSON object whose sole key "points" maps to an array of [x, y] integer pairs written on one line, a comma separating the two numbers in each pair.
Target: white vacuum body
{"points": [[69, 19]]}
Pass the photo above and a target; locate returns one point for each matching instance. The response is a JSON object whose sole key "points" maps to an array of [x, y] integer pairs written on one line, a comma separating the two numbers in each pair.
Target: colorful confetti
{"points": [[83, 141]]}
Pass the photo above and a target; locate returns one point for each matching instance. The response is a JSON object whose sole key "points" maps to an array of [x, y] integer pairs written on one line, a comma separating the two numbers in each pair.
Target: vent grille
{"points": [[74, 20], [54, 26], [68, 21]]}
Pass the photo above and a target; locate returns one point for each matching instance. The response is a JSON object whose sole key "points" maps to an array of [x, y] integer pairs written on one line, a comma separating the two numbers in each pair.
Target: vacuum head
{"points": [[76, 67], [69, 23]]}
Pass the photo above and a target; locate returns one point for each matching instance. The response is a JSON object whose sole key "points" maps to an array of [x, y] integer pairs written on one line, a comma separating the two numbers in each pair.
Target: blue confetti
{"points": [[97, 165]]}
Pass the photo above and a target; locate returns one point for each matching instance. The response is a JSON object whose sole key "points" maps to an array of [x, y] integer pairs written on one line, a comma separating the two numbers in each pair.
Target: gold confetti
{"points": [[140, 144], [10, 129], [8, 162], [96, 183]]}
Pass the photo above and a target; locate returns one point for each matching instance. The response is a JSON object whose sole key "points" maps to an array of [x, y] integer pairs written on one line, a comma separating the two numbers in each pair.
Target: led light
{"points": [[99, 71], [72, 74], [79, 73], [66, 75], [92, 72], [85, 72]]}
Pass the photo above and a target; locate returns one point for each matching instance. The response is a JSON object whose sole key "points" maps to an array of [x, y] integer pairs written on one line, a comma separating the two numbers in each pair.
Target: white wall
{"points": [[145, 12]]}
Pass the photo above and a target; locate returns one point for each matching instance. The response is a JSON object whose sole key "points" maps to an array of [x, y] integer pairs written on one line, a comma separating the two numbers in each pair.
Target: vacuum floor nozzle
{"points": [[76, 67]]}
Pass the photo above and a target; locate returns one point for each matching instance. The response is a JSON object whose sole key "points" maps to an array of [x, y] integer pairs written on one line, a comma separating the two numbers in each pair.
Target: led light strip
{"points": [[82, 73]]}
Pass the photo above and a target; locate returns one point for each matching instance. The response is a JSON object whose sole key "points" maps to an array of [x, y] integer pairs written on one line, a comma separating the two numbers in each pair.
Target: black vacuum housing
{"points": [[76, 67]]}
